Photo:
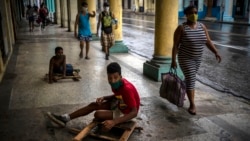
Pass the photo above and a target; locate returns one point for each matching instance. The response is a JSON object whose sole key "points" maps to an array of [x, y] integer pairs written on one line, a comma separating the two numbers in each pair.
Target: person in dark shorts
{"points": [[30, 16], [84, 32], [106, 19]]}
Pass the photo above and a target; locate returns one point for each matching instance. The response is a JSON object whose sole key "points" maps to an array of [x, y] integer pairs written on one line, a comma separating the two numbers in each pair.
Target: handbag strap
{"points": [[173, 70]]}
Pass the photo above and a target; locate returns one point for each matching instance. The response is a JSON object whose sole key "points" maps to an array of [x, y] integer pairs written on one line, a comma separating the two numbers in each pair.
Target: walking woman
{"points": [[189, 41]]}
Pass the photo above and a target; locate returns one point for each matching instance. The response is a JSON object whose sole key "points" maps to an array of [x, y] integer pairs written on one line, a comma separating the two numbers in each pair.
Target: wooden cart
{"points": [[75, 77], [120, 132]]}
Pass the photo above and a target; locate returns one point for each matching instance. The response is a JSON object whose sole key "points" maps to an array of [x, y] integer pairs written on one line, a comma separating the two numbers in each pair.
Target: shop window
{"points": [[214, 3]]}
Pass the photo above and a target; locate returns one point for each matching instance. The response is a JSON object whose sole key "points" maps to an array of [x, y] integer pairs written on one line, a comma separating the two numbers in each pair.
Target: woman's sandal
{"points": [[191, 112]]}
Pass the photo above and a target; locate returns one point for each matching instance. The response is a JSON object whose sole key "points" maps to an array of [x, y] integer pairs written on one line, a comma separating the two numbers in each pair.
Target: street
{"points": [[231, 40]]}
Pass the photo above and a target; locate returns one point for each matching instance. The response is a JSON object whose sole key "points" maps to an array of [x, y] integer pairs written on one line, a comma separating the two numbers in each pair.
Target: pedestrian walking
{"points": [[134, 8], [43, 13], [189, 41], [106, 19], [30, 15], [84, 32]]}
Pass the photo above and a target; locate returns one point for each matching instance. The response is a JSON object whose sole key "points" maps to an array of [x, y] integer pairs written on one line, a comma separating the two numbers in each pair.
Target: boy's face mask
{"points": [[116, 85], [106, 8], [85, 9], [115, 80], [193, 18]]}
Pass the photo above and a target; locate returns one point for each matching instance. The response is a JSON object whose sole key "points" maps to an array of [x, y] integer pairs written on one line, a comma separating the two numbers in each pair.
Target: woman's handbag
{"points": [[173, 88]]}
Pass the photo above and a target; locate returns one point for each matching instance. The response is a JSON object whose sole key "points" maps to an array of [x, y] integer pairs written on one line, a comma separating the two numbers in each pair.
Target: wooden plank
{"points": [[127, 133], [73, 130], [103, 137], [85, 131], [59, 76], [67, 77], [126, 125]]}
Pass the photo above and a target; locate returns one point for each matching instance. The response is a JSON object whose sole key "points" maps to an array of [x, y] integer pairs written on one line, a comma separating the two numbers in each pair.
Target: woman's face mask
{"points": [[193, 18]]}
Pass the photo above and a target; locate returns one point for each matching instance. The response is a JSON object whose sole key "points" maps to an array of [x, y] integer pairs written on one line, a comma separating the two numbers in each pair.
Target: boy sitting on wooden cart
{"points": [[110, 110], [58, 69]]}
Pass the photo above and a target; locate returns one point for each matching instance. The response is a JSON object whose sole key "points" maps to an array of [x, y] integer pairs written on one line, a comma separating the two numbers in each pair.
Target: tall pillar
{"points": [[209, 8], [72, 10], [91, 8], [10, 21], [249, 12], [228, 13], [119, 46], [166, 21], [101, 5], [58, 12], [64, 13], [136, 5], [146, 3]]}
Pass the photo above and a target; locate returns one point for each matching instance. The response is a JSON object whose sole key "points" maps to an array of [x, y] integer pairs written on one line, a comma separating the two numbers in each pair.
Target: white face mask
{"points": [[85, 9], [106, 8]]}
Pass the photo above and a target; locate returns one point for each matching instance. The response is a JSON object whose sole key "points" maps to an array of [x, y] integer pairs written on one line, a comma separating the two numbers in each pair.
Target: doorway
{"points": [[239, 9]]}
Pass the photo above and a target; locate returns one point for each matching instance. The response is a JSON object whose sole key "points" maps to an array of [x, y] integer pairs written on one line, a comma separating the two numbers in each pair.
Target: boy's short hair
{"points": [[113, 68], [105, 4], [57, 49], [84, 3]]}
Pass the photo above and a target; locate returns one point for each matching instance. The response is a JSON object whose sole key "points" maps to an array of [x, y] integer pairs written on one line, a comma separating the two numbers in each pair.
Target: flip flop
{"points": [[191, 112]]}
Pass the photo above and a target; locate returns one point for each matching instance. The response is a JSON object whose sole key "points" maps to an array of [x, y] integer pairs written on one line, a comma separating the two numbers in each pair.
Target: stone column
{"points": [[146, 4], [249, 12], [136, 2], [11, 29], [72, 12], [101, 5], [228, 11], [166, 21], [93, 22], [64, 13], [209, 8], [119, 47], [58, 12]]}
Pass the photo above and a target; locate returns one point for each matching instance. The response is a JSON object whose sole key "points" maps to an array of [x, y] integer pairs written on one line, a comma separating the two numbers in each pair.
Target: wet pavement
{"points": [[25, 96]]}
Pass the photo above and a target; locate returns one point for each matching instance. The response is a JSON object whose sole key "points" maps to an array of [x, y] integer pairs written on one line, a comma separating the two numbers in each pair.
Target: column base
{"points": [[228, 19], [95, 38], [158, 65], [119, 47]]}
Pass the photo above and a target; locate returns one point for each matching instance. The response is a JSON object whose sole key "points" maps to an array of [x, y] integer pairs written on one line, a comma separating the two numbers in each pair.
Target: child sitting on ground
{"points": [[58, 66]]}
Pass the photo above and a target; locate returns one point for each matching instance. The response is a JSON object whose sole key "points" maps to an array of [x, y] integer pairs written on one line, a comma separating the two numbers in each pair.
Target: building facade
{"points": [[226, 10]]}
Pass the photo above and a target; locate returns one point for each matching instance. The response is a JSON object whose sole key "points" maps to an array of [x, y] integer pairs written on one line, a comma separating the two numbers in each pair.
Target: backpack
{"points": [[107, 23]]}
